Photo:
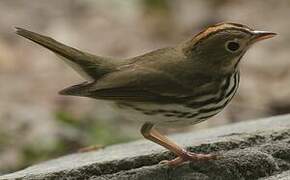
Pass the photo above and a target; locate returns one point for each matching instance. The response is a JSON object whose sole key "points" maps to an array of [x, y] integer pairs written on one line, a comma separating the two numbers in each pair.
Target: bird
{"points": [[181, 85]]}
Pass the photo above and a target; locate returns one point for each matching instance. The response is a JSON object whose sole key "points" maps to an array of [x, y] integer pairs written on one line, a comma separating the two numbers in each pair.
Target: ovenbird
{"points": [[181, 85]]}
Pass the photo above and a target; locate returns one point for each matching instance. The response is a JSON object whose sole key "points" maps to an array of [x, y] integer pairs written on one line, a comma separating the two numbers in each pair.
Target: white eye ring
{"points": [[233, 46]]}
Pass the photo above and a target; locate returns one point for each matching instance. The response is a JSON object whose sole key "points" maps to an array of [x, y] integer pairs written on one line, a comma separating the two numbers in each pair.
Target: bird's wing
{"points": [[132, 84]]}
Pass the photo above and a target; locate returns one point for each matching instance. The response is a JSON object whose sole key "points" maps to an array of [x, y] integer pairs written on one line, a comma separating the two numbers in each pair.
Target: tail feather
{"points": [[87, 64], [77, 90]]}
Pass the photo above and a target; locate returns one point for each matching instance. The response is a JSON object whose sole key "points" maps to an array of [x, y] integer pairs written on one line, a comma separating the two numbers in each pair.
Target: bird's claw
{"points": [[189, 156]]}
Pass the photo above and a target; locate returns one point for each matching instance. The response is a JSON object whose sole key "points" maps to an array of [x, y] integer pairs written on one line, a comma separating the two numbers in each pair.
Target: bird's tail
{"points": [[88, 65]]}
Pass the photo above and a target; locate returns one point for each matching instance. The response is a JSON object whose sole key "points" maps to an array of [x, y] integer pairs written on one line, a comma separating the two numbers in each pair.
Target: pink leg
{"points": [[183, 156]]}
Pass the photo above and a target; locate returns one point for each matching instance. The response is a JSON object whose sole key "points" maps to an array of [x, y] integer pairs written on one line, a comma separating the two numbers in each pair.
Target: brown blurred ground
{"points": [[36, 123]]}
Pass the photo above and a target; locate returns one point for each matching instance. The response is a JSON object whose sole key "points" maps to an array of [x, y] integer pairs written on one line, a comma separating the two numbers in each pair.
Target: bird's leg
{"points": [[182, 155]]}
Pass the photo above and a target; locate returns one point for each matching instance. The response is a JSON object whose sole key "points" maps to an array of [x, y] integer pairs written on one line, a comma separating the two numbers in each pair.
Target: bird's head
{"points": [[219, 48]]}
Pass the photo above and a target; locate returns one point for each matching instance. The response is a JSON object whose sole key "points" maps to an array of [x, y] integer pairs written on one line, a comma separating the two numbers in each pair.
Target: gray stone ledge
{"points": [[257, 149], [281, 176]]}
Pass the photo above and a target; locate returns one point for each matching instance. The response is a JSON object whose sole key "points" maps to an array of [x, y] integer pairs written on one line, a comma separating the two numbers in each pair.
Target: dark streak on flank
{"points": [[190, 115]]}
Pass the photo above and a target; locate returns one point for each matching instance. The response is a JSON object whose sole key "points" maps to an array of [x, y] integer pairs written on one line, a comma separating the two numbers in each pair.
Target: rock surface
{"points": [[257, 149]]}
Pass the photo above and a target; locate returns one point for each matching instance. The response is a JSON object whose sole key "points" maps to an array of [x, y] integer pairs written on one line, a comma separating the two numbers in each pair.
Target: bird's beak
{"points": [[261, 35]]}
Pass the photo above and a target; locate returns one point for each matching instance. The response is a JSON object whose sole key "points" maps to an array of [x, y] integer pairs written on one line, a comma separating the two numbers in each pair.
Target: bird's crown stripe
{"points": [[218, 27]]}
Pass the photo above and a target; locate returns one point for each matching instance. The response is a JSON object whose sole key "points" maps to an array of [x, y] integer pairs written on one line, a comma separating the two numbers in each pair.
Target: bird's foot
{"points": [[189, 156]]}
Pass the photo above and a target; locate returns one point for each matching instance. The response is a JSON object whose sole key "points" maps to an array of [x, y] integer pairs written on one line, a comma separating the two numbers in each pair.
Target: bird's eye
{"points": [[232, 46]]}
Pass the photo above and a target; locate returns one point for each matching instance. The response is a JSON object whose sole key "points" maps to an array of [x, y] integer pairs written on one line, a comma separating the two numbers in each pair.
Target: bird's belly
{"points": [[165, 115], [193, 110]]}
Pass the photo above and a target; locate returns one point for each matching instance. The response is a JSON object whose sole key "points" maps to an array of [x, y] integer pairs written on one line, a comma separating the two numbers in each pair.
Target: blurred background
{"points": [[37, 124]]}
